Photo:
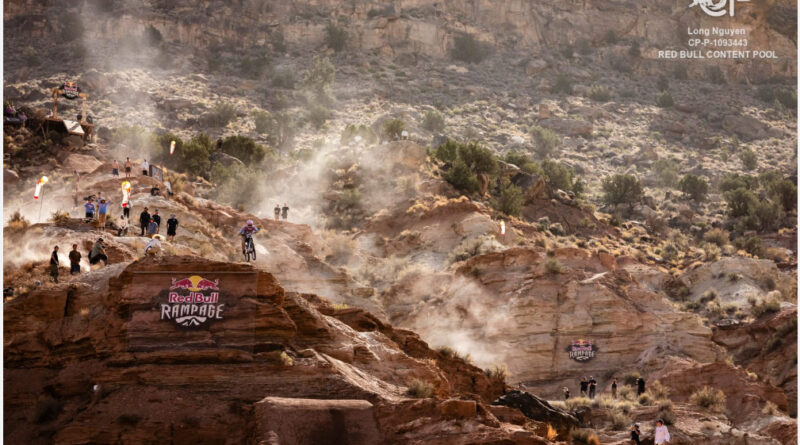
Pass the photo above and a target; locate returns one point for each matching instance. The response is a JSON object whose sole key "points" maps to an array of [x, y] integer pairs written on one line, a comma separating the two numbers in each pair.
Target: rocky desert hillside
{"points": [[559, 183]]}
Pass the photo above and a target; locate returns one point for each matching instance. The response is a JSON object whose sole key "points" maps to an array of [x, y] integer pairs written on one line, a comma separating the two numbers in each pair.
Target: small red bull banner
{"points": [[192, 302], [70, 90], [582, 350]]}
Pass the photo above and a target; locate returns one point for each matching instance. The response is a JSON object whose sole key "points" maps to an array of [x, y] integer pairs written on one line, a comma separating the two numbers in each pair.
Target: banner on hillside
{"points": [[582, 350], [70, 90]]}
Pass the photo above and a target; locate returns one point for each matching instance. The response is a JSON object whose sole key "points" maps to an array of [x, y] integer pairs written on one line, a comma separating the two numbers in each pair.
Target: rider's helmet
{"points": [[250, 223]]}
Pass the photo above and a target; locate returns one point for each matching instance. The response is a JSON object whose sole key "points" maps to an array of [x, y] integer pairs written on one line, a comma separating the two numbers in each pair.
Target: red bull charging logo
{"points": [[192, 302], [582, 350]]}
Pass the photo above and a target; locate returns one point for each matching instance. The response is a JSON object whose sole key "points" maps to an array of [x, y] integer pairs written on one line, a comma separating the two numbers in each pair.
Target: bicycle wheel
{"points": [[253, 251]]}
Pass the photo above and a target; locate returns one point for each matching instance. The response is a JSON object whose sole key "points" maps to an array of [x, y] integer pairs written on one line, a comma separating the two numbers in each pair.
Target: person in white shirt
{"points": [[662, 434], [154, 246], [145, 167]]}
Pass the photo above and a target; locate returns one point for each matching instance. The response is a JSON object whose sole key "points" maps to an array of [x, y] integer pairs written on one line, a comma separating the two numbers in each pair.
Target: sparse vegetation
{"points": [[562, 85], [622, 189], [619, 420], [749, 159], [318, 115], [510, 200], [221, 115], [335, 37], [585, 436], [599, 93], [709, 398], [392, 129], [695, 187], [245, 149], [765, 307], [498, 372], [664, 100], [553, 266], [467, 49], [433, 121], [471, 247], [546, 141]]}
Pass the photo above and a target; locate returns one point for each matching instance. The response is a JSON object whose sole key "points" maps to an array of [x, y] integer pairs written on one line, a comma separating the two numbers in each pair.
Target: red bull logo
{"points": [[582, 350], [192, 302]]}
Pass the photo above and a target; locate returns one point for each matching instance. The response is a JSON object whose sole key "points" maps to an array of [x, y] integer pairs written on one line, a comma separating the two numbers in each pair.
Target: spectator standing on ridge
{"points": [[662, 434], [152, 228], [219, 144], [115, 168], [54, 265], [122, 226], [566, 393], [128, 167], [277, 212], [126, 209], [98, 253], [172, 227], [614, 388], [74, 260], [285, 213], [157, 218], [89, 206], [635, 435], [144, 220], [102, 211], [592, 387], [584, 386], [639, 386], [145, 167]]}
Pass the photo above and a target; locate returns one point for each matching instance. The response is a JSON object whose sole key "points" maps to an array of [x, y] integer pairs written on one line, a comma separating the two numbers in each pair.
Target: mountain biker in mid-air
{"points": [[247, 231]]}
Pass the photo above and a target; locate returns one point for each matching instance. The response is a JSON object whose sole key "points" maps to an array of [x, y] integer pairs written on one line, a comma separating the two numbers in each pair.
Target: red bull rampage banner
{"points": [[582, 350], [192, 302]]}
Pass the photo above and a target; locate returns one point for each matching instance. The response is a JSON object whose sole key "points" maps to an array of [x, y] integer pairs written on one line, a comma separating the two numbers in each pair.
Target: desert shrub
{"points": [[319, 79], [461, 177], [471, 247], [546, 141], [562, 84], [786, 97], [420, 389], [629, 378], [262, 120], [553, 266], [245, 149], [767, 214], [585, 436], [622, 189], [558, 175], [645, 399], [467, 49], [691, 306], [720, 237], [709, 295], [669, 252], [709, 398], [335, 37], [253, 67], [284, 78], [59, 218], [574, 403], [392, 129], [749, 159], [497, 372], [510, 200], [658, 390], [433, 121], [733, 181], [770, 409], [784, 191], [231, 181], [619, 420], [31, 57], [152, 36], [318, 115], [599, 93], [666, 414], [716, 75], [766, 307], [221, 115], [695, 187], [523, 161], [741, 202], [664, 100], [46, 409], [666, 170]]}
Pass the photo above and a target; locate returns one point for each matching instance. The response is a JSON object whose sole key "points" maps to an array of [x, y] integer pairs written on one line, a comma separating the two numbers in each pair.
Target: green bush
{"points": [[767, 214], [478, 158], [629, 378], [221, 115], [392, 129], [231, 181], [562, 84], [152, 35], [319, 79], [622, 189], [546, 141], [749, 159], [245, 149], [335, 37], [523, 161], [433, 121], [785, 192], [318, 115], [510, 201], [751, 245], [279, 127], [461, 177], [733, 181], [253, 67], [194, 157], [619, 420], [709, 398], [553, 266], [467, 49], [599, 93], [720, 237], [766, 307], [741, 202], [664, 100], [558, 175], [695, 187], [368, 136], [666, 170]]}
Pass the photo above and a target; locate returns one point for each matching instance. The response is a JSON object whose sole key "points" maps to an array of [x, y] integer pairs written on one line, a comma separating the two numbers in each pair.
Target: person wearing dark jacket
{"points": [[144, 220], [635, 435], [584, 386], [592, 387], [54, 265], [74, 260], [566, 393], [639, 386], [172, 227], [157, 218], [614, 388]]}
